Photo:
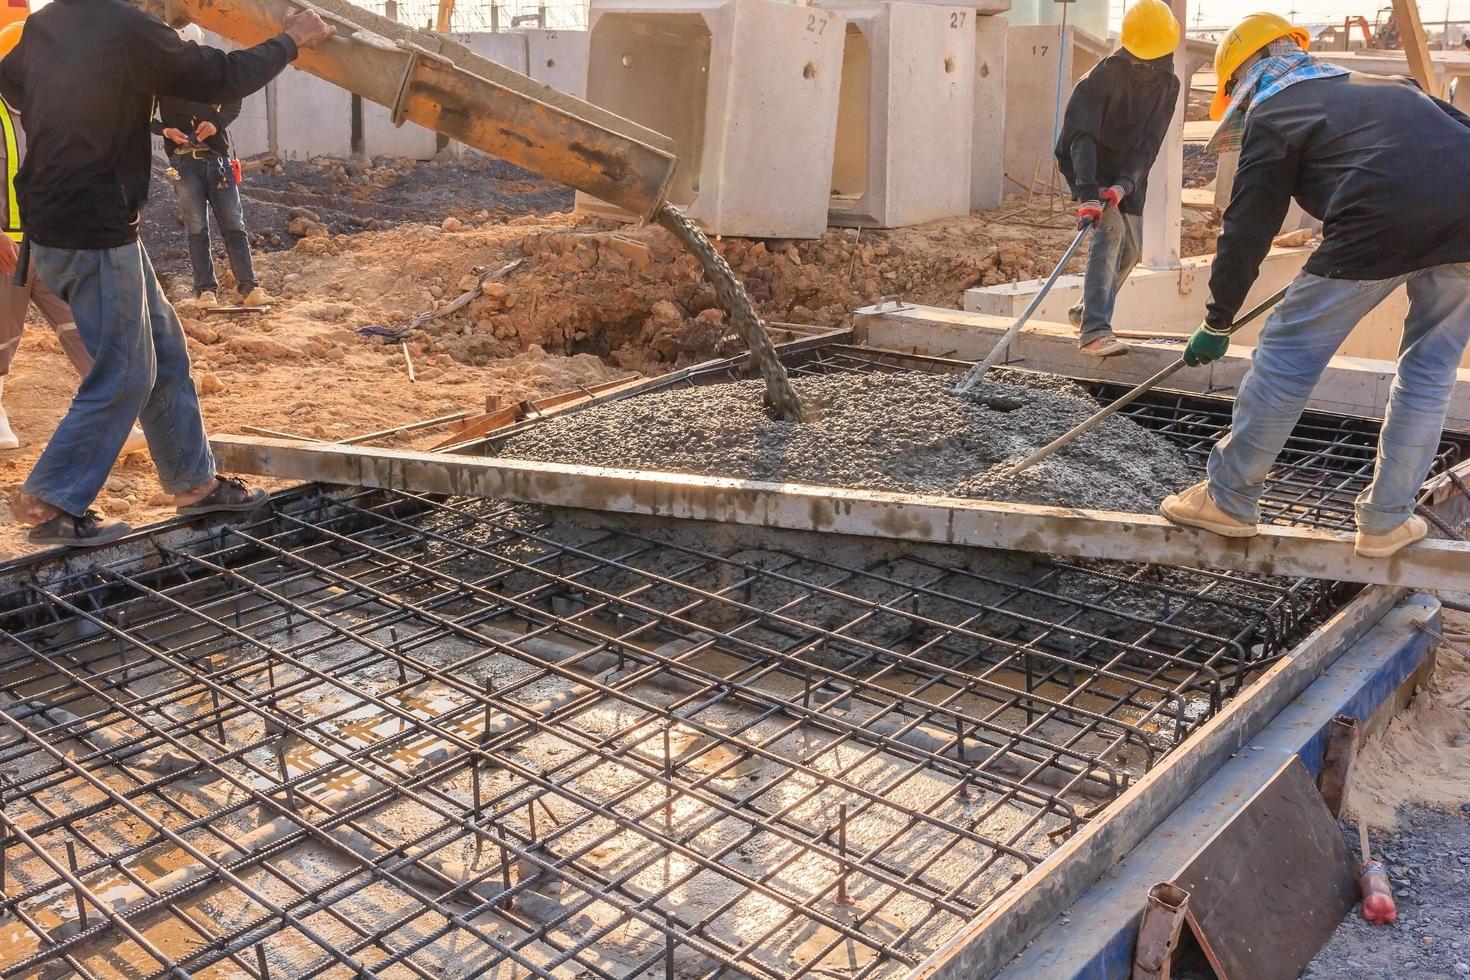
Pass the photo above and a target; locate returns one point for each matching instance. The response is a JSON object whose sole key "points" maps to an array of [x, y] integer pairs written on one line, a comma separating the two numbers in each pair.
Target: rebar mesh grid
{"points": [[381, 734], [396, 736]]}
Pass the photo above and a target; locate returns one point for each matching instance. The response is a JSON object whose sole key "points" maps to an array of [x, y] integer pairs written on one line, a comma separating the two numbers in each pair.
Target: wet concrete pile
{"points": [[899, 432]]}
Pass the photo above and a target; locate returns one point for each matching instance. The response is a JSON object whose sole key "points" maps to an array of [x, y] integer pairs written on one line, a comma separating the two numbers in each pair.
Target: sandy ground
{"points": [[1412, 784], [590, 301]]}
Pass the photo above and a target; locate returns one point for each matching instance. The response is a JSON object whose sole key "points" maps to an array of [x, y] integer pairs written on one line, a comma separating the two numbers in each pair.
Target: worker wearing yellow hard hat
{"points": [[1386, 169], [1114, 125], [1244, 41]]}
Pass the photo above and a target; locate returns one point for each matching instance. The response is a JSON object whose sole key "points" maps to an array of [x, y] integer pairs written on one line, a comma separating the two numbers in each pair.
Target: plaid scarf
{"points": [[1285, 64]]}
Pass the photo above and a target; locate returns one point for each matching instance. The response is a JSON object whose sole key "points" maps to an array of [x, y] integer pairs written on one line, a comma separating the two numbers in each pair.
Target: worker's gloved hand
{"points": [[1114, 195], [1206, 344], [307, 28], [1088, 213]]}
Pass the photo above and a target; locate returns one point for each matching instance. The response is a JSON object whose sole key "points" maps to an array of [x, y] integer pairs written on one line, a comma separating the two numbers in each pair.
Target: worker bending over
{"points": [[1115, 123], [84, 77], [196, 141], [1386, 169], [16, 299]]}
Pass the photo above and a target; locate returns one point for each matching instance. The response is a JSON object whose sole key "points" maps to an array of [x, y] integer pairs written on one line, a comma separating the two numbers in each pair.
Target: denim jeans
{"points": [[1111, 256], [205, 184], [140, 371], [1299, 338]]}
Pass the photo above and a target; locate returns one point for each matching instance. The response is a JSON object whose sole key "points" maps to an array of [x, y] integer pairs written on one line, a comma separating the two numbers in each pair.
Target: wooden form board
{"points": [[1292, 552]]}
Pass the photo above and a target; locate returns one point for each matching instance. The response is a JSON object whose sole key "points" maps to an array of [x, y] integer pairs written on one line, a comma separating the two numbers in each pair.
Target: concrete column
{"points": [[1161, 213]]}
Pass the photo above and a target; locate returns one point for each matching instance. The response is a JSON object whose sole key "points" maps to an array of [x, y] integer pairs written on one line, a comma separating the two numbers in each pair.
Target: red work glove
{"points": [[1114, 195], [1089, 213]]}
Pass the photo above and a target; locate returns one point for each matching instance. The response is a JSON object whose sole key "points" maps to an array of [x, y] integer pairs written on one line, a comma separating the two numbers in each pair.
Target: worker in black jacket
{"points": [[1386, 169], [84, 78], [1115, 123], [196, 141]]}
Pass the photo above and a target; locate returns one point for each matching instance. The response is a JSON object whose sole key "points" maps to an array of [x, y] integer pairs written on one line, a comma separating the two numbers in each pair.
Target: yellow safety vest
{"points": [[12, 167]]}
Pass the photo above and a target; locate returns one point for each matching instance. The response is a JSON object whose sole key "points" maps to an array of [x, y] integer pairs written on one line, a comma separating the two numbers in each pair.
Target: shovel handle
{"points": [[1132, 396]]}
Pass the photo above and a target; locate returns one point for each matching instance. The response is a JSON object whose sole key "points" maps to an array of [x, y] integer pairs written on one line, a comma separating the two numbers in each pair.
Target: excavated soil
{"points": [[904, 432]]}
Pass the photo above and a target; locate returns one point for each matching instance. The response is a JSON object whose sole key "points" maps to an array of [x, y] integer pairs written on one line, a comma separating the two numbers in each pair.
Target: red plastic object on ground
{"points": [[1378, 906]]}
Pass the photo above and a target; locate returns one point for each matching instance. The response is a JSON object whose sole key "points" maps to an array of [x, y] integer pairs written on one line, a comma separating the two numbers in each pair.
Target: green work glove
{"points": [[1206, 344]]}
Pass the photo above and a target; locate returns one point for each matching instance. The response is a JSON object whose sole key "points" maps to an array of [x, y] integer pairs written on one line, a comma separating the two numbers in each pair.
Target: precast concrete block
{"points": [[506, 48], [558, 59], [987, 147], [748, 89], [904, 114], [983, 8], [380, 138], [1037, 56], [313, 117]]}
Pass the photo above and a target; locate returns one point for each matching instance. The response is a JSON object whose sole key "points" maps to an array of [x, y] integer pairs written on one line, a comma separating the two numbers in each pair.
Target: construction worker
{"points": [[197, 143], [84, 77], [1115, 123], [1386, 168], [16, 299]]}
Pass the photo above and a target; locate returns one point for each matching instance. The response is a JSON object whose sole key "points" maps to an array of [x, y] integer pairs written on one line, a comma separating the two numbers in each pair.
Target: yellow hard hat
{"points": [[1150, 30], [10, 37], [1245, 39]]}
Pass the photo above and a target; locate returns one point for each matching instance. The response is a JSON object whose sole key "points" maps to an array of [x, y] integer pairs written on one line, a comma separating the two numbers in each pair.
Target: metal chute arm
{"points": [[440, 84]]}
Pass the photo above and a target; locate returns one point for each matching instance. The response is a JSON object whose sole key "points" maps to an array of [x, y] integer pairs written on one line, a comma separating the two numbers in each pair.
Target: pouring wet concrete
{"points": [[905, 431]]}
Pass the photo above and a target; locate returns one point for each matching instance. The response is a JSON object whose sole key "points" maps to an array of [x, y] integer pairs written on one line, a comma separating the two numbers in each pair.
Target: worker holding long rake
{"points": [[1386, 168]]}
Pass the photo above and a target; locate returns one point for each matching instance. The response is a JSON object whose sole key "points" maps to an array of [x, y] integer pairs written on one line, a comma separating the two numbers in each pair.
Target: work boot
{"points": [[137, 443], [1103, 345], [1382, 545], [91, 530], [207, 298], [229, 494], [8, 438], [257, 296], [1196, 508], [1074, 316]]}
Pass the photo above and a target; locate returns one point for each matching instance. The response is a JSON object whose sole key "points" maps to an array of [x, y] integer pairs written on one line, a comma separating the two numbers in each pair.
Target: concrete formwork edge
{"points": [[1096, 943], [994, 939]]}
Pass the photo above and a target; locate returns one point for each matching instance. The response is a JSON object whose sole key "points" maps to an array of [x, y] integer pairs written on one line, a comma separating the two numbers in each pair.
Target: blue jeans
{"points": [[1111, 256], [140, 371], [1299, 338], [205, 184]]}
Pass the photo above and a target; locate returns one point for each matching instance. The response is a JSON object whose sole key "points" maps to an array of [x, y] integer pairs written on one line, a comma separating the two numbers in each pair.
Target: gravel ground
{"points": [[903, 431], [1428, 859]]}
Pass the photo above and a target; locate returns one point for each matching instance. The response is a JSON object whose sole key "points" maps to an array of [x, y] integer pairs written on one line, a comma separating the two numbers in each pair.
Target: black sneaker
{"points": [[91, 530], [232, 494]]}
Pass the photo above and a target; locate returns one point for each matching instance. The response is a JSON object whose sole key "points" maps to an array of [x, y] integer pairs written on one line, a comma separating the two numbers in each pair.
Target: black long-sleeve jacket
{"points": [[1115, 123], [84, 77], [1384, 167], [185, 116]]}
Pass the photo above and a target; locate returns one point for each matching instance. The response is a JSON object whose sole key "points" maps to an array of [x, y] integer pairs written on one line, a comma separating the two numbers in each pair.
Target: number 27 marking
{"points": [[815, 25]]}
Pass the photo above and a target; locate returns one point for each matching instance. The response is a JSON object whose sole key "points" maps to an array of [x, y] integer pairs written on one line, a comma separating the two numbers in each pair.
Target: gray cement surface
{"points": [[1428, 860], [899, 432]]}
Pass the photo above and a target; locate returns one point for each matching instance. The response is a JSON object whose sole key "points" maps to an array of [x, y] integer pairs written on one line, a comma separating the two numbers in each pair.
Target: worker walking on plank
{"points": [[1115, 123], [196, 141], [84, 78], [15, 299], [1386, 169]]}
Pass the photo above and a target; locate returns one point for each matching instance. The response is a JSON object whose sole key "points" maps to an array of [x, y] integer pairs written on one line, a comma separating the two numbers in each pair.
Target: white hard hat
{"points": [[191, 32]]}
